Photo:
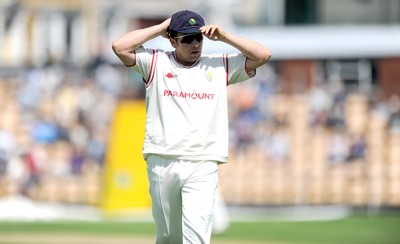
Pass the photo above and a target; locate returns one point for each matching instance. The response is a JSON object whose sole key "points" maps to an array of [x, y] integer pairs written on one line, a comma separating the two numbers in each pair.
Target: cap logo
{"points": [[192, 21]]}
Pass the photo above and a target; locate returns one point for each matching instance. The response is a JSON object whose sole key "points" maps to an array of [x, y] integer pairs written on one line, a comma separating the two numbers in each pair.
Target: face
{"points": [[188, 47]]}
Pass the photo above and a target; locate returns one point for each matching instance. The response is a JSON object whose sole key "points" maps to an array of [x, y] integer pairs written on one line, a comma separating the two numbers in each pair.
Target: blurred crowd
{"points": [[55, 122], [261, 116], [54, 125]]}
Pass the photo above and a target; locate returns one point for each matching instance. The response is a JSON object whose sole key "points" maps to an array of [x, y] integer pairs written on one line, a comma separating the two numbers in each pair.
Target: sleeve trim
{"points": [[152, 68], [249, 74], [226, 64]]}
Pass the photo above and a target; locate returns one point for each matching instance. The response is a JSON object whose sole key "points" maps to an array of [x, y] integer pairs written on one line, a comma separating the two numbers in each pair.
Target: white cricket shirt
{"points": [[187, 113]]}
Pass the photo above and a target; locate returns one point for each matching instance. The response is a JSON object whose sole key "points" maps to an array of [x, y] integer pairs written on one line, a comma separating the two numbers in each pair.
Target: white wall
{"points": [[358, 11]]}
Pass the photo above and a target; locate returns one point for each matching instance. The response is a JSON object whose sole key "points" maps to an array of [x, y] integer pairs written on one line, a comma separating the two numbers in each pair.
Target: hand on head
{"points": [[213, 32], [188, 22], [164, 26]]}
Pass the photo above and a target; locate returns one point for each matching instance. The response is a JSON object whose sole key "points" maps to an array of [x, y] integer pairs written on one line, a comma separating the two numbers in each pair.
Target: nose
{"points": [[196, 43]]}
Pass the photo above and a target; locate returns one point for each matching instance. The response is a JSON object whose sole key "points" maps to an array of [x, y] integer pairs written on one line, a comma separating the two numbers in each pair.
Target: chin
{"points": [[195, 56]]}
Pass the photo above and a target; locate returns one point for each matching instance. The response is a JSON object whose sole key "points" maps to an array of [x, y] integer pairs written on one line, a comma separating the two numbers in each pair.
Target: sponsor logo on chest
{"points": [[179, 90]]}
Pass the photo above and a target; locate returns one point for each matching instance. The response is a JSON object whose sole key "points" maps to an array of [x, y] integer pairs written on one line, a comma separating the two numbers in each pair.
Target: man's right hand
{"points": [[164, 27]]}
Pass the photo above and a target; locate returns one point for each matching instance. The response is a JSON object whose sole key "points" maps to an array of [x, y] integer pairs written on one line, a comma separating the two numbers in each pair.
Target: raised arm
{"points": [[256, 53], [125, 46]]}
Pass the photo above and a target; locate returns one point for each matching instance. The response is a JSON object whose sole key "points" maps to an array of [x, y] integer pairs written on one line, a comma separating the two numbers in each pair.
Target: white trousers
{"points": [[183, 195]]}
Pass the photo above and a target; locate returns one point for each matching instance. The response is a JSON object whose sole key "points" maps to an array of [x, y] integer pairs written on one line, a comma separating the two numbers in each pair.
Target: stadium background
{"points": [[315, 135]]}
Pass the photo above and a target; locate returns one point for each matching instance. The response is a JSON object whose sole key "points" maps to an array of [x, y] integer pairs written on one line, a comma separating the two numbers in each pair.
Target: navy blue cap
{"points": [[186, 22]]}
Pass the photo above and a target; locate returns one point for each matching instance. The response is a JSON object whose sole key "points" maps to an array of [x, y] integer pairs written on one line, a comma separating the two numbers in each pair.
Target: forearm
{"points": [[254, 51], [125, 46], [134, 39]]}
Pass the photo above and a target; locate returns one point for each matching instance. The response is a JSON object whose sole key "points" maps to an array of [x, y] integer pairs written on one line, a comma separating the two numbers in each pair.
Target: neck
{"points": [[184, 62]]}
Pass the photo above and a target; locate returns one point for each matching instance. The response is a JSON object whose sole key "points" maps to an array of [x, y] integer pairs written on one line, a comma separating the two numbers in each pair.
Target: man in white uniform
{"points": [[187, 117]]}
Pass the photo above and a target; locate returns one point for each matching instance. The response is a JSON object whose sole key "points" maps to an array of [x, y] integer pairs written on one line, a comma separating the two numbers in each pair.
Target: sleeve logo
{"points": [[170, 75]]}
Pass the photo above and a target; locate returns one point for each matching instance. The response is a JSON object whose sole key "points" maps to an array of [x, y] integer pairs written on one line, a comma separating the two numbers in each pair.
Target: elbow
{"points": [[266, 55], [262, 57], [116, 48], [119, 47]]}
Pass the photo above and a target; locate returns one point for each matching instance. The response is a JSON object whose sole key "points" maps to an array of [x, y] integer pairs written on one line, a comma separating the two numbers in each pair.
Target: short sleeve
{"points": [[236, 68], [146, 60]]}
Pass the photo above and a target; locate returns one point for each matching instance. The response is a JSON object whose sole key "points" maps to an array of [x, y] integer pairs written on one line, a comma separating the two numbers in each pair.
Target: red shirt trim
{"points": [[152, 68], [226, 63]]}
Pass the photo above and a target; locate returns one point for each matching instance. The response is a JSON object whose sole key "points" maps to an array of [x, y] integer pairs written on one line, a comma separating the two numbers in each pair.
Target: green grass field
{"points": [[382, 229]]}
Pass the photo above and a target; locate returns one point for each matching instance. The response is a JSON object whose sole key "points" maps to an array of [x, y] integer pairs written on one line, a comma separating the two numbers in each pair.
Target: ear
{"points": [[173, 42]]}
